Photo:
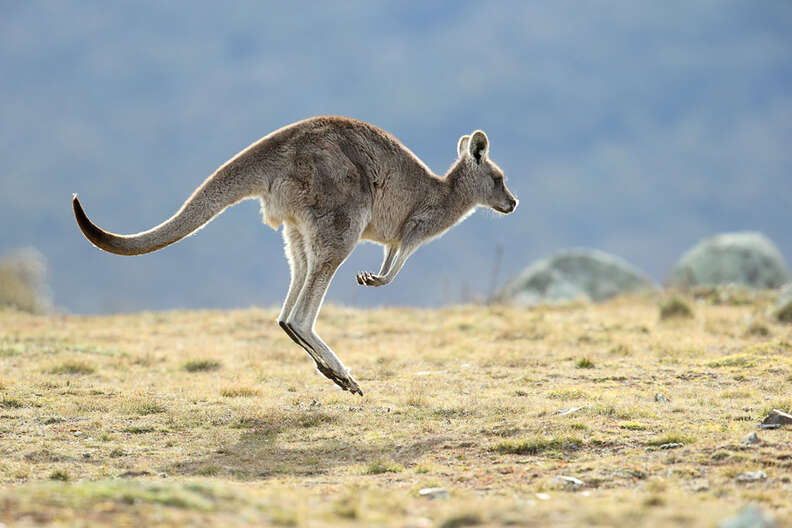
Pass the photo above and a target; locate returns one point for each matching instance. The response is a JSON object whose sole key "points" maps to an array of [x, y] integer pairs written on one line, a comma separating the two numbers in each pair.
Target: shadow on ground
{"points": [[266, 449]]}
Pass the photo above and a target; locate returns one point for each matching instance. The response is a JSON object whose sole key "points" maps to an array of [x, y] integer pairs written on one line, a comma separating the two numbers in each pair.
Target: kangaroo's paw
{"points": [[346, 382], [366, 278]]}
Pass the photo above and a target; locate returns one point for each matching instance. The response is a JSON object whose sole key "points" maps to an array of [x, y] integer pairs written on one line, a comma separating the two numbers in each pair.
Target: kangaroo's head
{"points": [[481, 176]]}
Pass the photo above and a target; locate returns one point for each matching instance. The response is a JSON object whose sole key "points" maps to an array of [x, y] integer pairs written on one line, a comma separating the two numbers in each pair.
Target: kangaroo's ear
{"points": [[478, 145], [463, 145]]}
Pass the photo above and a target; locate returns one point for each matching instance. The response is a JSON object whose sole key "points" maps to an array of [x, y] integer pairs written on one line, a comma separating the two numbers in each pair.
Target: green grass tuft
{"points": [[633, 426], [10, 403], [538, 445], [239, 392], [568, 394], [378, 467], [784, 315], [734, 360], [59, 475], [201, 365], [146, 407], [675, 308], [72, 367], [671, 438], [584, 363], [138, 430], [458, 520]]}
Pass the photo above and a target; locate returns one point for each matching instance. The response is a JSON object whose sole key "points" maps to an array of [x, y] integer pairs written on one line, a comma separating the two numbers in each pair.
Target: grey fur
{"points": [[332, 182]]}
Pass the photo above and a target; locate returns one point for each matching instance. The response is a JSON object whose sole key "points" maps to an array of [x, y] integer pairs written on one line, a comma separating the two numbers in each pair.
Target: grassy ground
{"points": [[217, 418]]}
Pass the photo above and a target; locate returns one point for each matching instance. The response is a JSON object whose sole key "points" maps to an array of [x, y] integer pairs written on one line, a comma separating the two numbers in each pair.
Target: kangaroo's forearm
{"points": [[387, 262]]}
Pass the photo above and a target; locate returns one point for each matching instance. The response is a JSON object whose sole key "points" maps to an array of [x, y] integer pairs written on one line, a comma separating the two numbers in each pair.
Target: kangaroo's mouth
{"points": [[506, 210]]}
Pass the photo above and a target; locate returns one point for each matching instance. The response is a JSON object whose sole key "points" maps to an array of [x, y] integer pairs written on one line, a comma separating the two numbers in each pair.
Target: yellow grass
{"points": [[217, 418]]}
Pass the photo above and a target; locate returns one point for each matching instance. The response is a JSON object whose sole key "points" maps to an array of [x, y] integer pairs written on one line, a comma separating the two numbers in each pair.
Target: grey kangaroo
{"points": [[331, 182]]}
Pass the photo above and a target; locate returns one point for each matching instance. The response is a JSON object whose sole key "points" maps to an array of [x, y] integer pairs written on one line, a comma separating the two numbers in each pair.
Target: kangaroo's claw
{"points": [[346, 383], [366, 278]]}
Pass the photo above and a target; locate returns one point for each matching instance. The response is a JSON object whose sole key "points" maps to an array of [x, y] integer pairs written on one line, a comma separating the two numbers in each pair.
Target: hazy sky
{"points": [[635, 127]]}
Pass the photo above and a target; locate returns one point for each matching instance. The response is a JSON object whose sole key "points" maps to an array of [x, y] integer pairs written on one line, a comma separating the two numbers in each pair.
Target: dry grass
{"points": [[217, 418]]}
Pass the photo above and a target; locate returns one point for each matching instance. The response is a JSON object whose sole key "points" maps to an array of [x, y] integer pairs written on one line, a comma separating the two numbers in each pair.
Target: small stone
{"points": [[434, 493], [543, 496], [769, 426], [672, 445], [87, 454], [751, 476], [571, 410], [777, 417], [570, 483], [78, 433], [163, 475], [659, 398], [751, 439], [750, 516]]}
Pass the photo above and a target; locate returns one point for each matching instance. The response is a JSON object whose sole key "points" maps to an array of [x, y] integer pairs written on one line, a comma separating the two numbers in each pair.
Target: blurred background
{"points": [[635, 127]]}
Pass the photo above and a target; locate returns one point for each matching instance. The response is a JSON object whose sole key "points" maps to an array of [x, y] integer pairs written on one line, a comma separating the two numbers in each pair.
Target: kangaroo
{"points": [[331, 182]]}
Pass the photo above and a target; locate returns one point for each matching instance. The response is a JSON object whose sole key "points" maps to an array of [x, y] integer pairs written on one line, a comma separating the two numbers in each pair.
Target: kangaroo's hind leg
{"points": [[294, 247], [326, 248]]}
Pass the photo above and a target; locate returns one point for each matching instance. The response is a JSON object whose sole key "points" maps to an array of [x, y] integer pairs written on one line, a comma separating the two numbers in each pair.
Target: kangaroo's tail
{"points": [[224, 188]]}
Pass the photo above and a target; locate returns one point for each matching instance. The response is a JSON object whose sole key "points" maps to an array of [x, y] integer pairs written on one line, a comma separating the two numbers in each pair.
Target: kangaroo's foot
{"points": [[366, 278], [346, 383], [342, 379]]}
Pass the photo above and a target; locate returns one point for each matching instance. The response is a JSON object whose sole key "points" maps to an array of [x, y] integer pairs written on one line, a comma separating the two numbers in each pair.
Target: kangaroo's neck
{"points": [[452, 201]]}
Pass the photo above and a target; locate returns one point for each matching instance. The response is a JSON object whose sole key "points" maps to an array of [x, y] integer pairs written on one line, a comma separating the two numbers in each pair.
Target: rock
{"points": [[783, 305], [23, 276], [571, 410], [434, 493], [777, 417], [751, 476], [569, 483], [543, 496], [659, 398], [751, 439], [672, 445], [746, 258], [750, 516], [769, 426], [574, 274]]}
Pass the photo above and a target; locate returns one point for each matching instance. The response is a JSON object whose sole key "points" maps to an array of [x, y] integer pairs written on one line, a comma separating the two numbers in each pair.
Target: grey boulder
{"points": [[746, 258], [585, 274]]}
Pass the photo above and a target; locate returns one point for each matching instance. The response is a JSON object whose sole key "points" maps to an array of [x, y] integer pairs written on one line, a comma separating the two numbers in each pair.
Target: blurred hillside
{"points": [[633, 127]]}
